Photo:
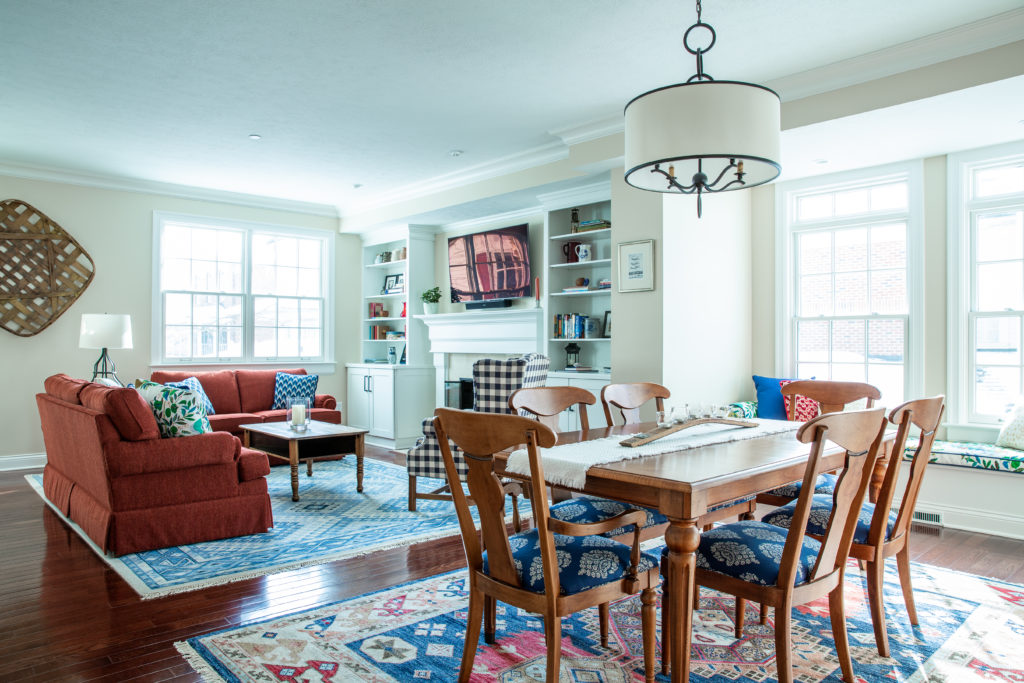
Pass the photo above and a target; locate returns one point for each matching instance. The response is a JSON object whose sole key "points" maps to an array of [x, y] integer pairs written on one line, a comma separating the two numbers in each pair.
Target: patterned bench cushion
{"points": [[583, 561], [750, 551], [983, 456], [590, 509], [821, 509]]}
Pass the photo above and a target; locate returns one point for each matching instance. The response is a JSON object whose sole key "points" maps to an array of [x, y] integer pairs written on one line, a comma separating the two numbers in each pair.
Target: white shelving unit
{"points": [[562, 273]]}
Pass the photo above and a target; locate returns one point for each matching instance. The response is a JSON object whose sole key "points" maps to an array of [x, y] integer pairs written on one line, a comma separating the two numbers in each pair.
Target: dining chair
{"points": [[547, 403], [629, 397], [832, 397], [759, 562], [882, 532], [555, 569]]}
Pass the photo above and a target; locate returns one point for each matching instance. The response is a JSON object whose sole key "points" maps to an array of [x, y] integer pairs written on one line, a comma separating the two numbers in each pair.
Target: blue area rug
{"points": [[330, 522], [971, 630]]}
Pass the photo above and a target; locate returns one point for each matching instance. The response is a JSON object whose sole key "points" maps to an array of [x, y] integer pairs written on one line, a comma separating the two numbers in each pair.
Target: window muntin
{"points": [[240, 294], [851, 311]]}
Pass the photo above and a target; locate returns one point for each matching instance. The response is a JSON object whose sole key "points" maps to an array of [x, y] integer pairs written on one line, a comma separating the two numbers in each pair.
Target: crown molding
{"points": [[125, 184], [592, 130], [507, 217], [587, 194], [961, 41], [531, 158]]}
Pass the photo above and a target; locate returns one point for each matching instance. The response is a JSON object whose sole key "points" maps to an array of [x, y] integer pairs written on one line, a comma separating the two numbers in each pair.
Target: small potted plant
{"points": [[430, 299]]}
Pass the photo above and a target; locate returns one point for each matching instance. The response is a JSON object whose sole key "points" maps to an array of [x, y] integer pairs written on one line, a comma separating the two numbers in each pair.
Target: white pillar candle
{"points": [[298, 414]]}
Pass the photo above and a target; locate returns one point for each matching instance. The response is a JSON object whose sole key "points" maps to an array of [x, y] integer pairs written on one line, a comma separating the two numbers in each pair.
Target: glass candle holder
{"points": [[298, 411]]}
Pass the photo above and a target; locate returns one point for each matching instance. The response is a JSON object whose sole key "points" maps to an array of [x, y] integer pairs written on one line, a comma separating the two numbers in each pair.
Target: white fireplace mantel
{"points": [[502, 331]]}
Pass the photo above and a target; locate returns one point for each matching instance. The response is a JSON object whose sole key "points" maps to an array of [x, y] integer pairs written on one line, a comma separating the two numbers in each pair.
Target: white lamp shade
{"points": [[105, 331], [714, 121]]}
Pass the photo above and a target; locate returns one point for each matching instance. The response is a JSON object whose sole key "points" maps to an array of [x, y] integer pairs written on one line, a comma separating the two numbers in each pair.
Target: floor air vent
{"points": [[928, 518]]}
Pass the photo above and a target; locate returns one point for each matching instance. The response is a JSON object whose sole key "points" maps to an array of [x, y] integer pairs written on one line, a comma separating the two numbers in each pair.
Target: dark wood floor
{"points": [[64, 616]]}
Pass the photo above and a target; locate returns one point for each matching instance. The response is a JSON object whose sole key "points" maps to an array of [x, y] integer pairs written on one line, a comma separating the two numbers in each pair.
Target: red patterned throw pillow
{"points": [[806, 408]]}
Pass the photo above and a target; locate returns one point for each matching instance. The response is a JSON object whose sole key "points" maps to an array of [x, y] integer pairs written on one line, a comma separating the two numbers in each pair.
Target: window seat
{"points": [[983, 456]]}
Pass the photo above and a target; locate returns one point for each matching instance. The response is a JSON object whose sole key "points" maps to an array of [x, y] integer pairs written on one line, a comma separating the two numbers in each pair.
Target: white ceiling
{"points": [[348, 92]]}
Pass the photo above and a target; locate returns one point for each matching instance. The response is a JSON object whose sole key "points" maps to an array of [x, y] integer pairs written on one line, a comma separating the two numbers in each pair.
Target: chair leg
{"points": [[903, 564], [517, 523], [490, 619], [876, 574], [602, 614], [783, 644], [836, 611], [412, 493], [708, 527], [647, 618], [763, 620], [473, 618], [666, 626], [741, 608], [553, 636]]}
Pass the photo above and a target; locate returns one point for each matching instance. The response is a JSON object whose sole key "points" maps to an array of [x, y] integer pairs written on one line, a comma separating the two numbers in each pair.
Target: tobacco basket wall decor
{"points": [[43, 269]]}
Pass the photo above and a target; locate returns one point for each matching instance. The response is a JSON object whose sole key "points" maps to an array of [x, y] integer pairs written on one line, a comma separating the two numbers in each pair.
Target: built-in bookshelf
{"points": [[579, 288]]}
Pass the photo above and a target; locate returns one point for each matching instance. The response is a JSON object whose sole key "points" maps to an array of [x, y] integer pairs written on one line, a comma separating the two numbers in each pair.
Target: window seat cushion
{"points": [[983, 456]]}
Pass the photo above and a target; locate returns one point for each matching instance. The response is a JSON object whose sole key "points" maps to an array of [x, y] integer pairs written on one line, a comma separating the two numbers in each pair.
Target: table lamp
{"points": [[105, 331]]}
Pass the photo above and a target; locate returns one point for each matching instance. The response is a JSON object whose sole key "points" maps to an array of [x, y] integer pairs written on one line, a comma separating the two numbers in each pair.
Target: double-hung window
{"points": [[233, 292], [987, 263], [846, 250]]}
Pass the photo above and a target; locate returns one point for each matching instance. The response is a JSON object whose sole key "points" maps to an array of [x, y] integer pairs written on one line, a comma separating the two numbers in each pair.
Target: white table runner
{"points": [[567, 465]]}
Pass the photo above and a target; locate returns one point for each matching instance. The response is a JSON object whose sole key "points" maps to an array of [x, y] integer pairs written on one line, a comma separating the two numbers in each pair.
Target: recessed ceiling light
{"points": [[821, 162], [255, 136], [455, 153]]}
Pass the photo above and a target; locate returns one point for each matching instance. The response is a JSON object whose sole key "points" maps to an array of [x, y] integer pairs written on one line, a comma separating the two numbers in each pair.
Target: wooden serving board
{"points": [[662, 432]]}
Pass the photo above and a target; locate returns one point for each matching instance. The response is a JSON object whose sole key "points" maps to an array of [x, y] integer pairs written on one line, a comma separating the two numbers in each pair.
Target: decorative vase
{"points": [[429, 309]]}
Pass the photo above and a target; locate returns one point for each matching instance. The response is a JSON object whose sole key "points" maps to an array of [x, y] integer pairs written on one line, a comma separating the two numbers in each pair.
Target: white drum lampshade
{"points": [[105, 331]]}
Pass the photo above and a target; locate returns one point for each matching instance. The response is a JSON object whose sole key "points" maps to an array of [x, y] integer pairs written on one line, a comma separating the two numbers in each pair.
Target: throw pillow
{"points": [[1012, 433], [769, 398], [287, 385], [806, 408], [193, 385], [178, 412]]}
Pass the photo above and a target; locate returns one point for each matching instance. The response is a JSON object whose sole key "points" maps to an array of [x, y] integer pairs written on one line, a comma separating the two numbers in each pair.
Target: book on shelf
{"points": [[597, 224], [570, 326], [580, 368], [379, 331], [604, 283], [394, 336], [584, 288]]}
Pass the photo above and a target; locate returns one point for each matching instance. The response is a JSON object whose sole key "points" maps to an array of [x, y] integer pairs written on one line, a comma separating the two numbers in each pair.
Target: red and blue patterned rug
{"points": [[972, 629]]}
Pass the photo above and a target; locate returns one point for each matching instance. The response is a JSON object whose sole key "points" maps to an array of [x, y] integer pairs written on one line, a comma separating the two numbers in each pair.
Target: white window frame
{"points": [[323, 362], [785, 260], [960, 263]]}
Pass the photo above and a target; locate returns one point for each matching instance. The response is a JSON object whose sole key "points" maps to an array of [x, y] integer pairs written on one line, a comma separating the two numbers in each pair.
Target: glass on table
{"points": [[665, 417]]}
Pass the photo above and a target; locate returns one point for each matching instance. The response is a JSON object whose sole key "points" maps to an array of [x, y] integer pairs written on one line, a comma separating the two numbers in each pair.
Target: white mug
{"points": [[583, 252]]}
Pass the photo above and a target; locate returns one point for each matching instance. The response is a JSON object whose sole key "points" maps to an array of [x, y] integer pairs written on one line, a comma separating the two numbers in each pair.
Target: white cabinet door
{"points": [[358, 399], [382, 392]]}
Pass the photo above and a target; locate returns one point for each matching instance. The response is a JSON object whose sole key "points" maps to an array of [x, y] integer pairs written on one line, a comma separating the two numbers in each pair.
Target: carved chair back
{"points": [[832, 396], [627, 399], [547, 402]]}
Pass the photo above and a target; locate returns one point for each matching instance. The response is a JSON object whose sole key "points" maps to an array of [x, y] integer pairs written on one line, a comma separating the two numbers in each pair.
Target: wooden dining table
{"points": [[682, 485]]}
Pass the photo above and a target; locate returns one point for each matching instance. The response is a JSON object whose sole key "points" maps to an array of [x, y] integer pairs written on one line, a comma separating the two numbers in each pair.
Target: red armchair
{"points": [[109, 471]]}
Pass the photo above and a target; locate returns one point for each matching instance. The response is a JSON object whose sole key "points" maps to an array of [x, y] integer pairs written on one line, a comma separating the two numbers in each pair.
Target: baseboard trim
{"points": [[26, 461]]}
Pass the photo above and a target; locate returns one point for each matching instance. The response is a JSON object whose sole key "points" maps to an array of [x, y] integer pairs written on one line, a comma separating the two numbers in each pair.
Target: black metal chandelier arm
{"points": [[732, 165], [729, 184], [675, 184]]}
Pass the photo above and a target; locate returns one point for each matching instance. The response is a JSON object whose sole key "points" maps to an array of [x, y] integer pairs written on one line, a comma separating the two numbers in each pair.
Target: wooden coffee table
{"points": [[321, 440]]}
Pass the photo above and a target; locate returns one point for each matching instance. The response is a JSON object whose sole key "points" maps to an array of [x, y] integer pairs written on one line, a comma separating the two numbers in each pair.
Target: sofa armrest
{"points": [[325, 401], [184, 452]]}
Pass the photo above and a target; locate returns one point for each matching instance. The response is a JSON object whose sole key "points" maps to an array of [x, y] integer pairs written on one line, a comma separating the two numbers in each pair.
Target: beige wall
{"points": [[116, 228], [707, 299]]}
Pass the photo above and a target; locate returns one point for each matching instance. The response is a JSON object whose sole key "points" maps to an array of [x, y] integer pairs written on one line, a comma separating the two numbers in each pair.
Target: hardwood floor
{"points": [[64, 616]]}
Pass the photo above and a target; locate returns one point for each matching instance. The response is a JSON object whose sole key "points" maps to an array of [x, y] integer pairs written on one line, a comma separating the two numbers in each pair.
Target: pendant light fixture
{"points": [[702, 136]]}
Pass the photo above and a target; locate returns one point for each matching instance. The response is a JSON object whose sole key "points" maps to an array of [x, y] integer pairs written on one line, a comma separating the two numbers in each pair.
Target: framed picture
{"points": [[391, 282], [400, 283], [636, 266], [607, 324]]}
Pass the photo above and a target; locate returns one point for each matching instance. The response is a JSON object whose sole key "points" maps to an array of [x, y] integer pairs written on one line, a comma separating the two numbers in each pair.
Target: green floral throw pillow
{"points": [[178, 412]]}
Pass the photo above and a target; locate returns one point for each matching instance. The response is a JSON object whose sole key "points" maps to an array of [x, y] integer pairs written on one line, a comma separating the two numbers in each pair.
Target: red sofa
{"points": [[244, 396], [108, 470]]}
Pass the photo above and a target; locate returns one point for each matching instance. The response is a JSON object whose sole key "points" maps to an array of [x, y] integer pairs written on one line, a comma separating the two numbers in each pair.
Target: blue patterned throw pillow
{"points": [[193, 385], [287, 385]]}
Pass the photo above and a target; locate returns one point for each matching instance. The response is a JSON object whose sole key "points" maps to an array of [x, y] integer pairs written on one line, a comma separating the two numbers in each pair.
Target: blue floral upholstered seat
{"points": [[826, 483], [750, 551], [821, 508], [583, 561], [589, 509]]}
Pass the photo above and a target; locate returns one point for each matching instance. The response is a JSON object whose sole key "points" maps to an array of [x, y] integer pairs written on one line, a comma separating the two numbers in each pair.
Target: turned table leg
{"points": [[682, 539], [293, 460]]}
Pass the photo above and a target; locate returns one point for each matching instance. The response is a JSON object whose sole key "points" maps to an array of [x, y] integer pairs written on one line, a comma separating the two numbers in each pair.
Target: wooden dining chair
{"points": [[549, 569], [547, 403], [628, 398], [882, 532], [759, 562], [832, 397]]}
